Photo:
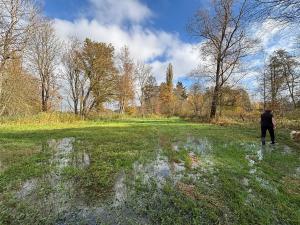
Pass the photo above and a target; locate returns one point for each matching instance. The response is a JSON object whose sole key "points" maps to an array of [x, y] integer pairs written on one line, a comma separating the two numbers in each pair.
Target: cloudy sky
{"points": [[154, 30]]}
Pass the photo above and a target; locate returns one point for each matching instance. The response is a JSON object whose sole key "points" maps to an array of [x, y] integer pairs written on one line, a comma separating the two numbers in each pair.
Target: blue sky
{"points": [[168, 15], [154, 31]]}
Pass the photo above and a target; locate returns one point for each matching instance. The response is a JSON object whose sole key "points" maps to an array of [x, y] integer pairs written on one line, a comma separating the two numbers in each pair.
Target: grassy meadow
{"points": [[145, 171]]}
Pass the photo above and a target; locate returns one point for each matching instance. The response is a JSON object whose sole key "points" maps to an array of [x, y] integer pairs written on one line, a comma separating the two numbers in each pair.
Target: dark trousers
{"points": [[264, 133]]}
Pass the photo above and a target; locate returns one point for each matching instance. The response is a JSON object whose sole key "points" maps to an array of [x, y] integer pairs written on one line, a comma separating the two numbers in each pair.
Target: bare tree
{"points": [[125, 93], [262, 85], [287, 11], [195, 98], [226, 43], [74, 76], [17, 22], [290, 74], [142, 74], [42, 57], [282, 79]]}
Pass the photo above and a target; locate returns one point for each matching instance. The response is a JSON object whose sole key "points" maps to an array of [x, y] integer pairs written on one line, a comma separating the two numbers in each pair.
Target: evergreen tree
{"points": [[169, 76], [180, 91], [166, 93]]}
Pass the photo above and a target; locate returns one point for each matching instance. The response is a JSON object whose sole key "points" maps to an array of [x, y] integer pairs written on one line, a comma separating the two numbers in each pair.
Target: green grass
{"points": [[215, 190]]}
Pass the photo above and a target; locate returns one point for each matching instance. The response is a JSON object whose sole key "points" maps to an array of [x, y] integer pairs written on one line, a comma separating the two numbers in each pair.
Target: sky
{"points": [[154, 31]]}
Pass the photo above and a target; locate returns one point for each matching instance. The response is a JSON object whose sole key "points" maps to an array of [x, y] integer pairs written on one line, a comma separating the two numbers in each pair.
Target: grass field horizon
{"points": [[146, 171]]}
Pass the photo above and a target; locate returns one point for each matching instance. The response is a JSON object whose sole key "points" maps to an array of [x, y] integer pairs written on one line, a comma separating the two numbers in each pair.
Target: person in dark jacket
{"points": [[267, 123]]}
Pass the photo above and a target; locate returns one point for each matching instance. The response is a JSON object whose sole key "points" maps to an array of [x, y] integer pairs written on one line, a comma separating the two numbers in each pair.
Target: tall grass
{"points": [[41, 119], [69, 118]]}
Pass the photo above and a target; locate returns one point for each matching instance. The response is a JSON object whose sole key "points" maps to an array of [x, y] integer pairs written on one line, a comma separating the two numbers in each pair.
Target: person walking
{"points": [[267, 123]]}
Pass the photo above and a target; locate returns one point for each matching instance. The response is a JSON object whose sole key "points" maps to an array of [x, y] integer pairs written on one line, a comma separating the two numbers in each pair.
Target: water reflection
{"points": [[120, 190], [27, 188], [199, 153], [201, 146], [62, 199], [62, 151], [81, 159], [255, 156], [159, 170], [66, 154]]}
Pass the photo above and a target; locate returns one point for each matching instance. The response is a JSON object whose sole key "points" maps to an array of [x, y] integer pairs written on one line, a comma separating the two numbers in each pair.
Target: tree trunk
{"points": [[215, 98], [76, 107], [265, 98], [214, 103], [221, 103], [44, 98], [122, 106], [45, 105]]}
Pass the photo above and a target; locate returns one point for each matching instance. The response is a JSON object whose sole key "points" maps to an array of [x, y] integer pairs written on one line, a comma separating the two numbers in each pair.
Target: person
{"points": [[267, 123]]}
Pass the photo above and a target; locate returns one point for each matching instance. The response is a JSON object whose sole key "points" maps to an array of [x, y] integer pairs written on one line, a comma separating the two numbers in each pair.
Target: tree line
{"points": [[38, 71]]}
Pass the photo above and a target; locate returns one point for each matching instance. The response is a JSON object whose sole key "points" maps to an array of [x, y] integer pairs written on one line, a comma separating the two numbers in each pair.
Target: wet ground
{"points": [[65, 202], [181, 174]]}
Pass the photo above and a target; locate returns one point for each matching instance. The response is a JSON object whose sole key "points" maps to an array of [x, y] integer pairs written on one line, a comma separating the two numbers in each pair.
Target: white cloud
{"points": [[119, 11], [274, 35], [266, 30], [156, 47]]}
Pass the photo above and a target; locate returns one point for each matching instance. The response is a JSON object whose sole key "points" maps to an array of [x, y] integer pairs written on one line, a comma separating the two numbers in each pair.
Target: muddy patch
{"points": [[194, 160]]}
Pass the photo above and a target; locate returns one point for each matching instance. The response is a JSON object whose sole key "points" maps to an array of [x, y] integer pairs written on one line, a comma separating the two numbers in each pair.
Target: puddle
{"points": [[253, 159], [196, 145], [81, 160], [201, 146], [27, 188], [62, 151], [120, 190], [297, 173], [260, 154], [266, 184], [65, 154], [178, 167], [69, 204], [159, 170], [200, 150], [287, 150], [251, 162], [61, 199]]}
